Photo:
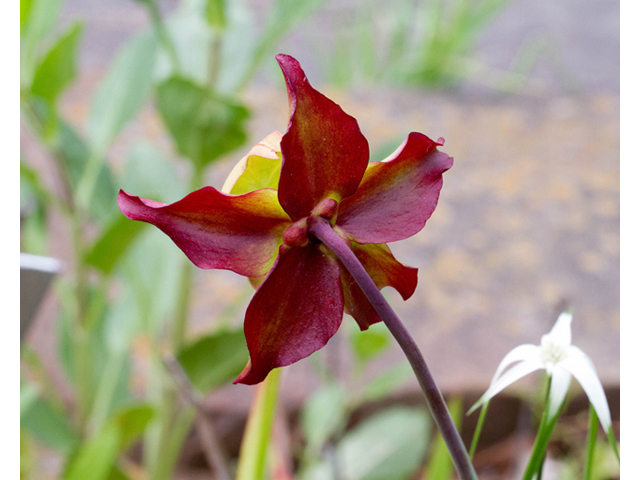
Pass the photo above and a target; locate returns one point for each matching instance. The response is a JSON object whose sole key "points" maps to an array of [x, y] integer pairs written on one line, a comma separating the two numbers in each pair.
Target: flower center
{"points": [[551, 353], [297, 234]]}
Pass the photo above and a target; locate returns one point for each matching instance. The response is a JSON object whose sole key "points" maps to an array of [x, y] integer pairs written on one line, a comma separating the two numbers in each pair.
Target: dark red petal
{"points": [[385, 271], [295, 311], [396, 196], [239, 233], [323, 152]]}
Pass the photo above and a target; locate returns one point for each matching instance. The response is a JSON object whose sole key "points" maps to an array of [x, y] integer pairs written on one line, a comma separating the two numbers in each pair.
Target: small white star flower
{"points": [[561, 360]]}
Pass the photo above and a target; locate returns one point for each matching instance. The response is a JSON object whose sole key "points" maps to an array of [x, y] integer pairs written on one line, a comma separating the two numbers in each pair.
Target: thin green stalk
{"points": [[440, 466], [322, 230], [184, 298], [186, 281], [175, 420], [545, 430], [591, 443], [161, 445], [80, 332], [215, 58], [91, 172], [255, 442], [478, 430], [106, 390], [88, 180], [163, 34], [614, 443], [175, 438]]}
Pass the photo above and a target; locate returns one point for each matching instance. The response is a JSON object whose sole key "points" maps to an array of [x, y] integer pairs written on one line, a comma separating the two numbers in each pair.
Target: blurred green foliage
{"points": [[189, 67]]}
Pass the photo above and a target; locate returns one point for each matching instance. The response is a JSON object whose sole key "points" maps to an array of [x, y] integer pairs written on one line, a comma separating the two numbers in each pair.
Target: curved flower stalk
{"points": [[561, 360], [321, 170]]}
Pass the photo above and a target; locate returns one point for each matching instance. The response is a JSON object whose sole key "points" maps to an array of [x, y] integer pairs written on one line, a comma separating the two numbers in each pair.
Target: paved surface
{"points": [[528, 220]]}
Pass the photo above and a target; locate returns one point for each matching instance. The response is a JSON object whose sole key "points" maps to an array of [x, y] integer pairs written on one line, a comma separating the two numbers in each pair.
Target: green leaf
{"points": [[116, 474], [48, 424], [95, 458], [215, 13], [152, 266], [388, 445], [75, 153], [31, 185], [204, 126], [150, 174], [113, 244], [28, 397], [37, 17], [34, 200], [370, 343], [215, 360], [58, 68], [131, 422], [387, 382], [122, 92], [324, 415], [25, 13]]}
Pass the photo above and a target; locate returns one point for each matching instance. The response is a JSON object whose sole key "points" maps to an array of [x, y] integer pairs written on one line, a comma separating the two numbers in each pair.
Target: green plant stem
{"points": [[184, 297], [255, 442], [186, 280], [322, 230], [214, 60], [80, 331], [174, 419], [163, 34], [534, 467], [478, 430], [105, 392], [614, 443], [591, 443], [440, 466]]}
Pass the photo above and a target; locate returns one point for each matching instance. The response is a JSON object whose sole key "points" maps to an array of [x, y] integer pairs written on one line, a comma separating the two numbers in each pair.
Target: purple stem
{"points": [[322, 230]]}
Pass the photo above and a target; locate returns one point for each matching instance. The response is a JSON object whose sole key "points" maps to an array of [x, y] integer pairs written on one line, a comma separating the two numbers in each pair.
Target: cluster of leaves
{"points": [[191, 67]]}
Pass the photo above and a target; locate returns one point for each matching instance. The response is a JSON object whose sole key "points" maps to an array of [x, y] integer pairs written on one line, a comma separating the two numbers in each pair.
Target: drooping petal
{"points": [[323, 152], [396, 196], [295, 311], [560, 381], [581, 367], [238, 233], [522, 352], [385, 271], [512, 375], [260, 168]]}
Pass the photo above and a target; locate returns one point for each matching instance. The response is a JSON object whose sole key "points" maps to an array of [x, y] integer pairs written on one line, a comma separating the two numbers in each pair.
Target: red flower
{"points": [[261, 233]]}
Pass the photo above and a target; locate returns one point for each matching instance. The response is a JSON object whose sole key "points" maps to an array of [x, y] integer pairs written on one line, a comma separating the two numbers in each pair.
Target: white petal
{"points": [[512, 375], [523, 352], [560, 334], [581, 367], [560, 381]]}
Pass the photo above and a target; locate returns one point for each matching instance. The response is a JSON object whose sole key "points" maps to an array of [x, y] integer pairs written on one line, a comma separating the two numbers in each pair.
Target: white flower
{"points": [[561, 360]]}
